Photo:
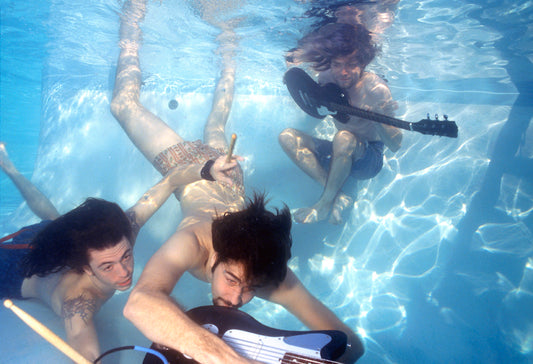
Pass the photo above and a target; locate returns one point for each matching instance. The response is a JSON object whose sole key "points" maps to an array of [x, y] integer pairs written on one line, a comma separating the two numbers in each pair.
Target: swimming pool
{"points": [[434, 264]]}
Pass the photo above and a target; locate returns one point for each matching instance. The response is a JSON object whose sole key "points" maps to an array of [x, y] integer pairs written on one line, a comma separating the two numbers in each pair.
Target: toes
{"points": [[305, 215]]}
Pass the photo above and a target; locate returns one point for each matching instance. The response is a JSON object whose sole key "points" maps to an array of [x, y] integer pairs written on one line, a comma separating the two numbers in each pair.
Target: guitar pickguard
{"points": [[254, 340]]}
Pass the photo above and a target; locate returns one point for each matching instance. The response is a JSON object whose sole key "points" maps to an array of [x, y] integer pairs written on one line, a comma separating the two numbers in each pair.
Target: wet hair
{"points": [[335, 40], [65, 242], [257, 238]]}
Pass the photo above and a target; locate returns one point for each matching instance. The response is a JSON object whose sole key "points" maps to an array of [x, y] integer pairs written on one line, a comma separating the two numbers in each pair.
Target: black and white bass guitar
{"points": [[253, 340]]}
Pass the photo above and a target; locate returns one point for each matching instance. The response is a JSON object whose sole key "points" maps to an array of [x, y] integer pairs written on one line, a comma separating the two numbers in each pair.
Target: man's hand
{"points": [[221, 167]]}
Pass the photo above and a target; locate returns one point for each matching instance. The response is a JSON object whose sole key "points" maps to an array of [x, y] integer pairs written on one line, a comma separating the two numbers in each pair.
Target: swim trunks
{"points": [[11, 254], [365, 168], [187, 153]]}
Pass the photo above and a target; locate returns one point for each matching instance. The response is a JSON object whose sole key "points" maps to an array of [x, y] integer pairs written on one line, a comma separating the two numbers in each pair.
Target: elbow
{"points": [[394, 148], [355, 349], [358, 350], [396, 143], [131, 308]]}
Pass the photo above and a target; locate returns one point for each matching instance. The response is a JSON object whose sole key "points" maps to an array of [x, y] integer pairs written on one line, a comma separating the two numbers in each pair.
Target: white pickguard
{"points": [[270, 349]]}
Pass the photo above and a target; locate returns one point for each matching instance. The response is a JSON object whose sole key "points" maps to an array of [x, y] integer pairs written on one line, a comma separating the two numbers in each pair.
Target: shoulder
{"points": [[193, 239], [186, 250], [373, 83], [372, 93]]}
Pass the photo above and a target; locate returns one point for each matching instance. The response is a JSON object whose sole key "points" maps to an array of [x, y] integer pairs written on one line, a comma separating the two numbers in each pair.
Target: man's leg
{"points": [[214, 131], [346, 150], [150, 134], [37, 202], [299, 146]]}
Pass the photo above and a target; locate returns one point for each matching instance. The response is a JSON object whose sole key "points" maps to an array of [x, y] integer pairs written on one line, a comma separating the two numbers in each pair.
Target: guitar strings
{"points": [[271, 353]]}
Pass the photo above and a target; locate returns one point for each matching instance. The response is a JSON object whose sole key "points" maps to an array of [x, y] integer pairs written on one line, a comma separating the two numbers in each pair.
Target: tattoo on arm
{"points": [[134, 223], [80, 306]]}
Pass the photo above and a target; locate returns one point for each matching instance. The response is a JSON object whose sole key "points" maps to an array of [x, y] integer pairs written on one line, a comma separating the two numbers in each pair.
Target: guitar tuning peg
{"points": [[445, 117], [436, 116]]}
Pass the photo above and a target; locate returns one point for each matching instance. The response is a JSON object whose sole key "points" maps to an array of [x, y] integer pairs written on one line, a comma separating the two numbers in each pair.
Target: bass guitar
{"points": [[321, 101], [253, 340]]}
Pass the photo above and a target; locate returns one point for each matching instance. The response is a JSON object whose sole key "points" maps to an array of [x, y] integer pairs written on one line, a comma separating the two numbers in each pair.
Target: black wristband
{"points": [[205, 173]]}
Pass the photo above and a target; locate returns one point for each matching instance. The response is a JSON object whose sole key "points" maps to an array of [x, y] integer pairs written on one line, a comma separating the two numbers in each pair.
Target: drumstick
{"points": [[231, 146], [46, 333]]}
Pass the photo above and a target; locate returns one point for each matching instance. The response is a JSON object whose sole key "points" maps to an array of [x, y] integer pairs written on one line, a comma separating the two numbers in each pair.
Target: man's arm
{"points": [[77, 314], [36, 200], [177, 177], [158, 316], [381, 101], [292, 295]]}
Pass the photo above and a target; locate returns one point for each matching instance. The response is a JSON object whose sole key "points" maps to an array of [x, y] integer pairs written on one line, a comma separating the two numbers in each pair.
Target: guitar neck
{"points": [[299, 359], [384, 119]]}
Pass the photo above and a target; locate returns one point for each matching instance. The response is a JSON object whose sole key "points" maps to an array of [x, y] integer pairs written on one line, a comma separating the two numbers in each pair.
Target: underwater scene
{"points": [[433, 259]]}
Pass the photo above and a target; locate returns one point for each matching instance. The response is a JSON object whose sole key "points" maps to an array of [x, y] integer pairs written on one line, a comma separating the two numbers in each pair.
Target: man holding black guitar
{"points": [[340, 52]]}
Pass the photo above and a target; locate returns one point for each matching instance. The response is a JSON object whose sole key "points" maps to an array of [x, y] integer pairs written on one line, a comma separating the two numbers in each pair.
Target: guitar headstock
{"points": [[445, 127]]}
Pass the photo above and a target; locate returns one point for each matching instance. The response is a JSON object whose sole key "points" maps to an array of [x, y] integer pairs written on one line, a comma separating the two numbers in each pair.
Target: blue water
{"points": [[435, 262]]}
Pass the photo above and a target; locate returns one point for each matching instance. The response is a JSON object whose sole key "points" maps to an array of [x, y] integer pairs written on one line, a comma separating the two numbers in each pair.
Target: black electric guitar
{"points": [[321, 101], [253, 340]]}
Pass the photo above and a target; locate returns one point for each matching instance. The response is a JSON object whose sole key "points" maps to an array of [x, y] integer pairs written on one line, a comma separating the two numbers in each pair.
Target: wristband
{"points": [[205, 173]]}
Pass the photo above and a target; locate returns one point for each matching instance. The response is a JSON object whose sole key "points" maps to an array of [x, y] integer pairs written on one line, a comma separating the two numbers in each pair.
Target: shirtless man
{"points": [[340, 52], [241, 249], [78, 260]]}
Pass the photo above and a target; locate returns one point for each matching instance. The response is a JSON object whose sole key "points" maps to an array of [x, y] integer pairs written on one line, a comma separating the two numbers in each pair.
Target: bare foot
{"points": [[5, 162], [341, 203], [309, 215]]}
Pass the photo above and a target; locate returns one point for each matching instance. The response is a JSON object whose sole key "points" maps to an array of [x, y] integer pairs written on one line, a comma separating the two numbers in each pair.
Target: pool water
{"points": [[435, 262]]}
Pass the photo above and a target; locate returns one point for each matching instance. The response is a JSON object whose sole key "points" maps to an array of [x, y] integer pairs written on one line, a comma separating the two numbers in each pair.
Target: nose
{"points": [[124, 270], [236, 297]]}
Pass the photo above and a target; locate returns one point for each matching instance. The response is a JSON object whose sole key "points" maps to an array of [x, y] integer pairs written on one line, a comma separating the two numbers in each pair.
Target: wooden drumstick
{"points": [[46, 333], [231, 146]]}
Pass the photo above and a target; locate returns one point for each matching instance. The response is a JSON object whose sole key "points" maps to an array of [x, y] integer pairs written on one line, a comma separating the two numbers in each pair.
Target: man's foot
{"points": [[309, 215], [341, 203], [5, 162]]}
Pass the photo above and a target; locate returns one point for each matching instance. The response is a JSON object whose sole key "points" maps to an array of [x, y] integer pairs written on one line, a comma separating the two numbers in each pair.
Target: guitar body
{"points": [[253, 340]]}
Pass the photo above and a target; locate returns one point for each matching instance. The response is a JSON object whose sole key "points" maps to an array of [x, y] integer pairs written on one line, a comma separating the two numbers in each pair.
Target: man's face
{"points": [[229, 286], [346, 70], [113, 267]]}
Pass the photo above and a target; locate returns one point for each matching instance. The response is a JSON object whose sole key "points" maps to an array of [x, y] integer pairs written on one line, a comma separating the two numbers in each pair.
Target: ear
{"points": [[87, 269], [213, 259]]}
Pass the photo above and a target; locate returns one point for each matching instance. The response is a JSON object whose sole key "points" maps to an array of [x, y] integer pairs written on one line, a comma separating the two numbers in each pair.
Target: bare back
{"points": [[203, 200]]}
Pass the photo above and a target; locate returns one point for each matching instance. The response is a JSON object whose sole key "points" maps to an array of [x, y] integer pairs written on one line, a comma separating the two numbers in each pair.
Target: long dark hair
{"points": [[256, 237], [336, 40], [96, 224]]}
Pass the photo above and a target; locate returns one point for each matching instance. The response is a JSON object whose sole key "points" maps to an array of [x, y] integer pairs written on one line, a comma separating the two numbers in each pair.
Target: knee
{"points": [[121, 106], [344, 141], [287, 137], [347, 144], [116, 106]]}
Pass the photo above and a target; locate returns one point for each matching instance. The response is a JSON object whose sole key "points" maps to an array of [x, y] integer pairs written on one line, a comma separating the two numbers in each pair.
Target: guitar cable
{"points": [[133, 347]]}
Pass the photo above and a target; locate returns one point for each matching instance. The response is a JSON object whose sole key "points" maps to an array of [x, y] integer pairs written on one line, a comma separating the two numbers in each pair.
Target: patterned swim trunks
{"points": [[187, 153]]}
